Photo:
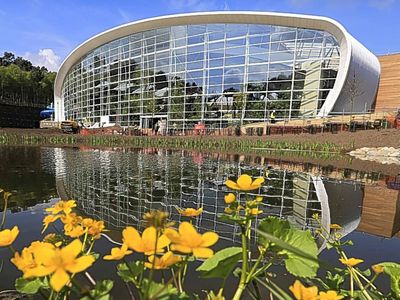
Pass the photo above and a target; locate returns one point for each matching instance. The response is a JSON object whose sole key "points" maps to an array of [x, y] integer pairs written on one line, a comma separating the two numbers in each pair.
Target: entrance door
{"points": [[152, 124]]}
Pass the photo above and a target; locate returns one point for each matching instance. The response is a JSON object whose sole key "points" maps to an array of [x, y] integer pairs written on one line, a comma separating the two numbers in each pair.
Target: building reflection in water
{"points": [[119, 186]]}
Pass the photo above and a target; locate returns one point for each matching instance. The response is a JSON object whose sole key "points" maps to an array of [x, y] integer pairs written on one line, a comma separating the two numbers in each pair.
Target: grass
{"points": [[200, 143]]}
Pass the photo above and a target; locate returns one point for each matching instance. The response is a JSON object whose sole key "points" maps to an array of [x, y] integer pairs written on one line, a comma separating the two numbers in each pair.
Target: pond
{"points": [[119, 185]]}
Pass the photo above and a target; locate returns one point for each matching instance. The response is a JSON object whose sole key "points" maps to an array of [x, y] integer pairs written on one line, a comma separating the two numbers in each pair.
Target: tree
{"points": [[353, 89], [23, 84]]}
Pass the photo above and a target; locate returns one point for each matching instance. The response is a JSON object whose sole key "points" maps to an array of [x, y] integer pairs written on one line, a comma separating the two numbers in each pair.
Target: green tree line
{"points": [[23, 84]]}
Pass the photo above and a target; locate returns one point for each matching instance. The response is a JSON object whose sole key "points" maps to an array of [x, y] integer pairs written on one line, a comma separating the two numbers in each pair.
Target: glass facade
{"points": [[218, 74]]}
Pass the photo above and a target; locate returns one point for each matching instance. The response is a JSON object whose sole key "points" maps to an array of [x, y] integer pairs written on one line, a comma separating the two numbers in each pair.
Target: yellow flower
{"points": [[255, 211], [118, 253], [351, 262], [330, 295], [377, 269], [62, 206], [96, 228], [7, 236], [147, 243], [25, 260], [335, 227], [190, 212], [300, 292], [70, 221], [164, 262], [75, 232], [157, 219], [245, 183], [188, 240], [259, 198], [58, 263], [230, 198], [49, 219], [87, 222]]}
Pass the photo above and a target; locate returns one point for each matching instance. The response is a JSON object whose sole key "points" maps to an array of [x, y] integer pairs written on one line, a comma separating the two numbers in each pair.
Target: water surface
{"points": [[120, 185]]}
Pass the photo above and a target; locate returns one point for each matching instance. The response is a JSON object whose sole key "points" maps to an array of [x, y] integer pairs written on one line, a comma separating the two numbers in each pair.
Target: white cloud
{"points": [[124, 16], [192, 5], [380, 4], [45, 57]]}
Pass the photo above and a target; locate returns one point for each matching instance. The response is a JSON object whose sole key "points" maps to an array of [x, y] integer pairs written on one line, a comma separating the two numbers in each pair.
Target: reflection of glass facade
{"points": [[119, 187], [220, 74]]}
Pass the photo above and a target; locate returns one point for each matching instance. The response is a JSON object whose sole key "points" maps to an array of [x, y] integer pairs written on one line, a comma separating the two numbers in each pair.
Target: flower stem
{"points": [[243, 275], [3, 219], [11, 249], [152, 267]]}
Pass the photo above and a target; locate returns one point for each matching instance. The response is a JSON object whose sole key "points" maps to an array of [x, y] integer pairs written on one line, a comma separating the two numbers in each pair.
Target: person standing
{"points": [[272, 117]]}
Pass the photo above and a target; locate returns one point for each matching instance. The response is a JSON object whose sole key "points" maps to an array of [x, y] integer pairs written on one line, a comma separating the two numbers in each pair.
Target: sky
{"points": [[46, 31]]}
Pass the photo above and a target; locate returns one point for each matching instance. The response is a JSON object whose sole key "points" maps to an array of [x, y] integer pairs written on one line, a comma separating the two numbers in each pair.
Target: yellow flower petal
{"points": [[131, 237], [38, 271], [258, 182], [330, 295], [335, 226], [230, 198], [149, 239], [232, 185], [301, 292], [72, 250], [43, 253], [203, 252], [7, 236], [190, 212], [244, 182], [377, 269], [59, 279], [172, 235], [181, 248], [187, 229], [163, 241], [351, 262], [209, 239], [80, 264]]}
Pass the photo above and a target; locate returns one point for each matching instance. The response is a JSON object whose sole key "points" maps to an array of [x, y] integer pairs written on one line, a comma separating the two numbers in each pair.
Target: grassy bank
{"points": [[219, 144], [319, 149]]}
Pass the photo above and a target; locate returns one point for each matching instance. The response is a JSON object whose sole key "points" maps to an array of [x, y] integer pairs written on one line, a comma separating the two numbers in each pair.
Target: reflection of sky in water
{"points": [[119, 187]]}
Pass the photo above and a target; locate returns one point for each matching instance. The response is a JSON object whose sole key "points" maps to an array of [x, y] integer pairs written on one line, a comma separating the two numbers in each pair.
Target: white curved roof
{"points": [[281, 19]]}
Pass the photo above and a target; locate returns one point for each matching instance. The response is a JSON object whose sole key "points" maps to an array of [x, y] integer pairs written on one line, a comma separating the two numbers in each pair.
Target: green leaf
{"points": [[28, 286], [393, 271], [129, 272], [101, 291], [221, 264], [299, 246], [161, 291]]}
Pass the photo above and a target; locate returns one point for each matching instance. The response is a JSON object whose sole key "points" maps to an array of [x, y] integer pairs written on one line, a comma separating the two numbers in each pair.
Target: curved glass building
{"points": [[219, 68]]}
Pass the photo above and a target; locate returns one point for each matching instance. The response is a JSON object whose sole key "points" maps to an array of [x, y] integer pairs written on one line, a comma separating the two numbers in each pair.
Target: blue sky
{"points": [[45, 31]]}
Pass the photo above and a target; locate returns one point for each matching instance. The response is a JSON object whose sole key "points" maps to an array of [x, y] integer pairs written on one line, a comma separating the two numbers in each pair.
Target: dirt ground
{"points": [[349, 140]]}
